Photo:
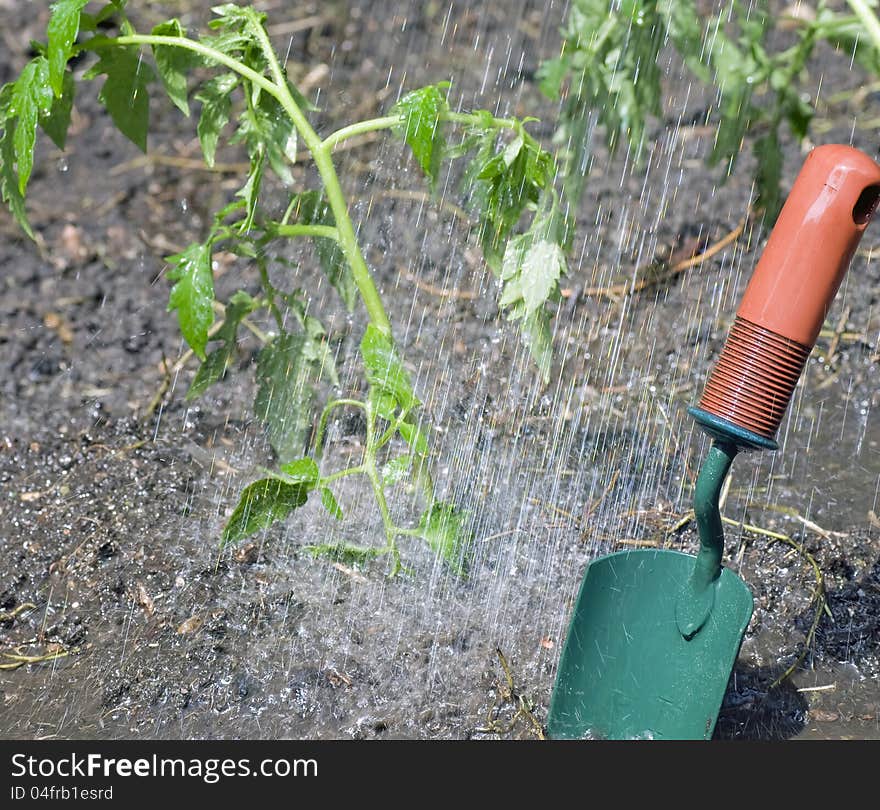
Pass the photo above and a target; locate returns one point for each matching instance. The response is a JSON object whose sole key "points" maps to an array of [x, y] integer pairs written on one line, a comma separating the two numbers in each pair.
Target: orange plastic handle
{"points": [[810, 248], [789, 294]]}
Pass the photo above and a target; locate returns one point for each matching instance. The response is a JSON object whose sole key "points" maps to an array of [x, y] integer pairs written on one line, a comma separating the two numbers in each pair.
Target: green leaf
{"points": [[124, 92], [266, 129], [61, 32], [216, 106], [193, 294], [301, 471], [442, 526], [215, 364], [284, 394], [396, 470], [383, 404], [56, 123], [31, 99], [384, 368], [313, 209], [250, 191], [421, 113], [768, 179], [538, 338], [538, 264], [261, 504], [414, 437], [9, 179], [330, 503], [173, 64]]}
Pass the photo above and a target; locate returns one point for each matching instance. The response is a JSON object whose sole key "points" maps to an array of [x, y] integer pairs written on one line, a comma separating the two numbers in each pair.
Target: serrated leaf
{"points": [[174, 64], [442, 526], [124, 92], [266, 129], [313, 209], [384, 368], [421, 113], [56, 123], [214, 366], [9, 179], [330, 504], [539, 264], [396, 470], [284, 394], [250, 191], [212, 369], [193, 294], [216, 107], [538, 338], [61, 33], [384, 404], [31, 99], [261, 504], [415, 438], [301, 471], [768, 177]]}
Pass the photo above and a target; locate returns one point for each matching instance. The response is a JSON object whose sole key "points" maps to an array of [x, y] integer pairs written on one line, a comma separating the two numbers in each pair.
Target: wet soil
{"points": [[110, 511]]}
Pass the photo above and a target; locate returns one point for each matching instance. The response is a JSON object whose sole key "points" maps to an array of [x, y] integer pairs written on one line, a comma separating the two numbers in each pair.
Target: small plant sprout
{"points": [[235, 82]]}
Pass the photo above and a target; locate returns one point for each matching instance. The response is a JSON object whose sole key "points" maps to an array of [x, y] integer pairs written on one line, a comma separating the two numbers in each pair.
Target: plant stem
{"points": [[869, 20], [360, 128], [369, 463], [389, 121], [332, 188], [325, 415], [324, 231], [279, 90], [328, 479]]}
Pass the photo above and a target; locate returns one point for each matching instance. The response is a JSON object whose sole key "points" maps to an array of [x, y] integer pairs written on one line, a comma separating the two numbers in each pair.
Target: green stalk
{"points": [[872, 25], [360, 128], [369, 463], [324, 231], [390, 121]]}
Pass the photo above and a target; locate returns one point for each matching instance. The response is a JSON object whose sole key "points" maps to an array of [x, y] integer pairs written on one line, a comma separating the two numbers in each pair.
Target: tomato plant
{"points": [[609, 73], [244, 96]]}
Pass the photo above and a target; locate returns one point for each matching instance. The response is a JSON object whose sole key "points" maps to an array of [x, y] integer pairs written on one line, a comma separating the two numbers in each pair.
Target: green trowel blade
{"points": [[626, 672]]}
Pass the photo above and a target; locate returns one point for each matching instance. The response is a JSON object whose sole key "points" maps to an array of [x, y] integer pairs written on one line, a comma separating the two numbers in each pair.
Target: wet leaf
{"points": [[396, 470], [313, 209], [421, 114], [193, 294], [214, 365], [384, 368], [414, 437], [250, 191], [301, 471], [174, 64], [261, 504], [284, 394], [216, 107], [538, 338], [61, 32], [9, 178], [124, 92], [31, 99], [267, 131], [442, 527], [330, 504], [56, 123], [537, 265]]}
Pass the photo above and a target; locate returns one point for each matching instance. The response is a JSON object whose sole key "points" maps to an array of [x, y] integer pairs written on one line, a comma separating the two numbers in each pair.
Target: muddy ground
{"points": [[110, 509]]}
